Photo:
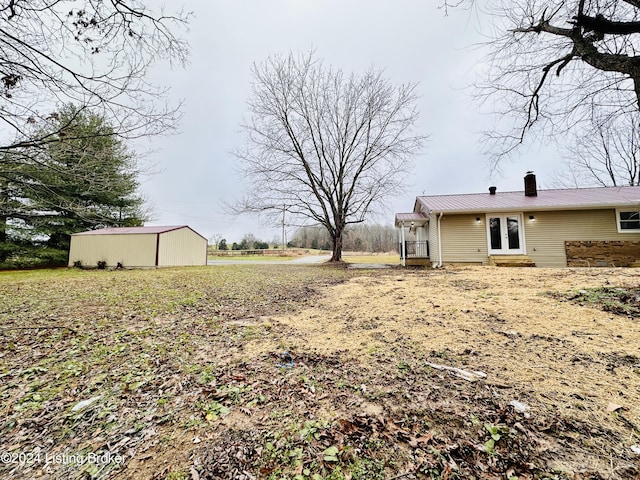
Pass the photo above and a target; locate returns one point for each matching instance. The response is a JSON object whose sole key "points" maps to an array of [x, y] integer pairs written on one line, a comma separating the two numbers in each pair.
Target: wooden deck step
{"points": [[511, 261], [635, 264]]}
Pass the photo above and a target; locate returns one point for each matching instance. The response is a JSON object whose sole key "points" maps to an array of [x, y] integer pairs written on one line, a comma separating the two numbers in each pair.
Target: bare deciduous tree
{"points": [[608, 155], [557, 64], [91, 53], [325, 146], [214, 240]]}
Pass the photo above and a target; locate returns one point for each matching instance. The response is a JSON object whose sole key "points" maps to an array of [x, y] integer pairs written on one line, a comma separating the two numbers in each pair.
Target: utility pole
{"points": [[284, 209]]}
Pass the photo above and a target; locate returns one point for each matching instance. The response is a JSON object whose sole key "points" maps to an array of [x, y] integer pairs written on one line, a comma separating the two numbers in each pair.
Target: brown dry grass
{"points": [[385, 259], [559, 358], [166, 349], [496, 320]]}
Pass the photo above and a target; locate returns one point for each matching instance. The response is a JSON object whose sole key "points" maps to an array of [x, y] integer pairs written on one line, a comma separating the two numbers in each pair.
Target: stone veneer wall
{"points": [[618, 253]]}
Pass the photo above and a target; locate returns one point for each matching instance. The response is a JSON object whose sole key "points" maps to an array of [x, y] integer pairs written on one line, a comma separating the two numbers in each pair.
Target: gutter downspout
{"points": [[403, 250], [440, 241]]}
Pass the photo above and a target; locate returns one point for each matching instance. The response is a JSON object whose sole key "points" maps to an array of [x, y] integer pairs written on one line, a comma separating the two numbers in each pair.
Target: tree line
{"points": [[357, 238]]}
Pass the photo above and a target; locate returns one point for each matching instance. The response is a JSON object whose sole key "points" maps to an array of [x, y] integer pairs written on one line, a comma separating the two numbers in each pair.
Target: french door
{"points": [[504, 234]]}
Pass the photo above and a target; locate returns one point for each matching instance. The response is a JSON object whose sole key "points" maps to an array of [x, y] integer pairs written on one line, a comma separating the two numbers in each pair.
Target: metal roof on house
{"points": [[133, 230], [410, 217], [558, 199]]}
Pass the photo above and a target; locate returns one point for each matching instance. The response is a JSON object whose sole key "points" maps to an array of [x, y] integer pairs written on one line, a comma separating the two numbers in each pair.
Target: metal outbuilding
{"points": [[135, 247]]}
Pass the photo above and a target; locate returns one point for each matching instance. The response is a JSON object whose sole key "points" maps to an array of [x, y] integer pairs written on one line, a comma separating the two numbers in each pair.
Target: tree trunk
{"points": [[4, 201], [3, 229], [4, 252], [337, 247]]}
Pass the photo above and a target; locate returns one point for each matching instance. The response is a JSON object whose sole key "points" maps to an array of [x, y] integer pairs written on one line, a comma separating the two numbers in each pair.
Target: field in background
{"points": [[315, 372], [275, 255], [272, 253], [252, 258]]}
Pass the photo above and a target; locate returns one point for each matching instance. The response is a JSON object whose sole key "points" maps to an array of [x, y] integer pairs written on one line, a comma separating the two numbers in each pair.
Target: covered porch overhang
{"points": [[412, 250]]}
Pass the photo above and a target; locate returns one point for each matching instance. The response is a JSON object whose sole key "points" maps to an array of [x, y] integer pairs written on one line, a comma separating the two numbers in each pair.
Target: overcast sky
{"points": [[411, 40]]}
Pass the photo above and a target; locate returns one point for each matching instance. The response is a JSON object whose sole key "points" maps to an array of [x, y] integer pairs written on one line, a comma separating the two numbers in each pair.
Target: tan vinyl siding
{"points": [[546, 235], [433, 240], [182, 247], [129, 250], [464, 239]]}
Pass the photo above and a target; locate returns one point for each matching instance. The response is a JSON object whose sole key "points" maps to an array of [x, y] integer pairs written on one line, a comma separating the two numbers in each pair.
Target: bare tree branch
{"points": [[91, 53], [609, 155], [593, 47]]}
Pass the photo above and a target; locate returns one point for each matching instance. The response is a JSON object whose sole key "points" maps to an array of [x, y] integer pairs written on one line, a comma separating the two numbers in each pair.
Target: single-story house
{"points": [[136, 247], [547, 228]]}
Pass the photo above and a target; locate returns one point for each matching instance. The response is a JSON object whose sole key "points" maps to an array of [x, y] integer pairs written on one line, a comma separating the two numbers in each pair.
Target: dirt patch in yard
{"points": [[311, 372]]}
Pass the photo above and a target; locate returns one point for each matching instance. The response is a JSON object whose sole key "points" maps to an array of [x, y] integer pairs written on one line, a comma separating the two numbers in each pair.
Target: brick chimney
{"points": [[492, 190], [530, 187]]}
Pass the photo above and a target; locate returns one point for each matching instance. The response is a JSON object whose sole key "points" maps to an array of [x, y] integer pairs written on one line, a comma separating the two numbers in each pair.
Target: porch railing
{"points": [[415, 249]]}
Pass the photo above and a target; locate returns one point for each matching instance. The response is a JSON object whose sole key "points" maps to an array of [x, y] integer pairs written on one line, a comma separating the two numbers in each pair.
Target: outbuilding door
{"points": [[504, 234]]}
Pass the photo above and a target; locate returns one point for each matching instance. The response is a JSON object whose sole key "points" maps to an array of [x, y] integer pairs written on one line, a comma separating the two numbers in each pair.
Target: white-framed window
{"points": [[628, 220]]}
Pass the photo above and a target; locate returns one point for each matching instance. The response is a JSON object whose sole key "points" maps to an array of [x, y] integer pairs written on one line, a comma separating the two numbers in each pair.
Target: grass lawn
{"points": [[314, 372]]}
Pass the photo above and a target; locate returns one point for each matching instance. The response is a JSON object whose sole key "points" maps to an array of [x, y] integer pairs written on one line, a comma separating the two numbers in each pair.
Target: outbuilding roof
{"points": [[133, 230], [558, 199]]}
